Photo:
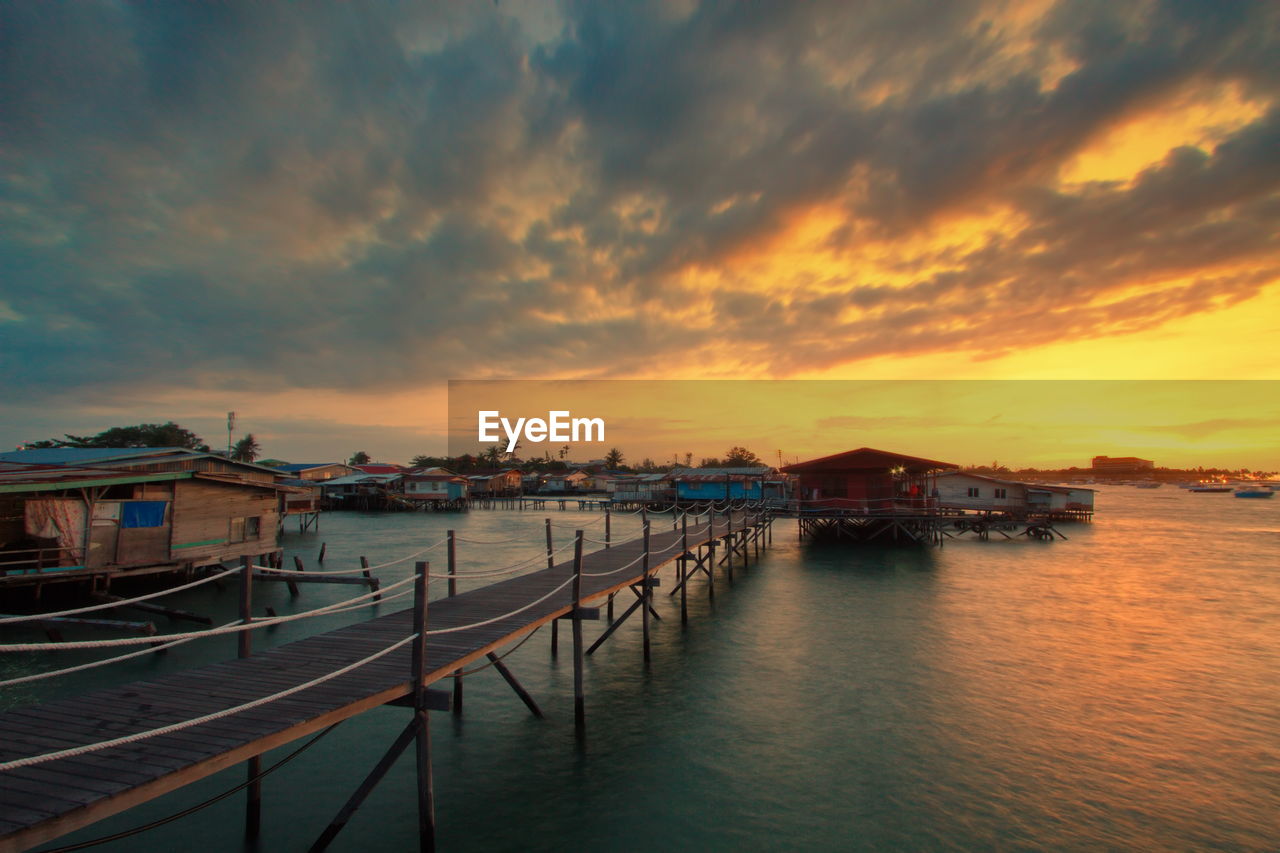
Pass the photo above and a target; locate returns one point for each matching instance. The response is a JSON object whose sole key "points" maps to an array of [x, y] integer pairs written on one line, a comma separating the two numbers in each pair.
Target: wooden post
{"points": [[608, 537], [555, 623], [579, 696], [426, 794], [729, 540], [453, 590], [253, 801], [364, 570], [323, 547], [711, 562], [297, 567], [645, 591], [684, 569]]}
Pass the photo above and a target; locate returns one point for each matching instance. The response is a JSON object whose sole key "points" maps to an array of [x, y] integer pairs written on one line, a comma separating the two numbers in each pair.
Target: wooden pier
{"points": [[46, 799]]}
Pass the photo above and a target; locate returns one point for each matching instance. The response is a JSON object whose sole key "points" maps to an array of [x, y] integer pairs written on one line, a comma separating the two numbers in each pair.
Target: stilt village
{"points": [[93, 515], [84, 527]]}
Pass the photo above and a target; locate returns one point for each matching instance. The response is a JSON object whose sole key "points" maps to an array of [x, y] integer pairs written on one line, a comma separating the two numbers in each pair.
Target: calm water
{"points": [[1117, 691]]}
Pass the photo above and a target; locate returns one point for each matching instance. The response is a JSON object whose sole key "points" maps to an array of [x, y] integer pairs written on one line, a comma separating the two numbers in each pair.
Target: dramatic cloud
{"points": [[347, 196]]}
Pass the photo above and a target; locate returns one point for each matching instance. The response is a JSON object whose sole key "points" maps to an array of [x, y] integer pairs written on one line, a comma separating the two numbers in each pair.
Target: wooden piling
{"points": [[426, 793], [684, 569], [244, 648], [579, 695], [453, 590], [551, 562], [645, 591], [729, 542]]}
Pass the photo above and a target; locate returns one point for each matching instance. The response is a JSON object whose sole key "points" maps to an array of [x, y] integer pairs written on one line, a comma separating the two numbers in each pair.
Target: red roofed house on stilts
{"points": [[866, 494]]}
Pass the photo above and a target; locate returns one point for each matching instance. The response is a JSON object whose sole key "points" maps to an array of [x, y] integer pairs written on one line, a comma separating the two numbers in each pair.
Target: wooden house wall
{"points": [[954, 492], [202, 514]]}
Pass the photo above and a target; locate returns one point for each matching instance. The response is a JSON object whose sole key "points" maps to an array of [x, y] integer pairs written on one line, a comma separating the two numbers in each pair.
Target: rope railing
{"points": [[508, 615], [206, 718], [229, 628], [507, 541], [578, 526], [613, 571], [430, 547], [506, 570], [53, 673], [9, 620]]}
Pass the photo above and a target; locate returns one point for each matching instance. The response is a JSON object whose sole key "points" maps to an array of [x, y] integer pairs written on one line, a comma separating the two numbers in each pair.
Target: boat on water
{"points": [[1253, 492], [1209, 488]]}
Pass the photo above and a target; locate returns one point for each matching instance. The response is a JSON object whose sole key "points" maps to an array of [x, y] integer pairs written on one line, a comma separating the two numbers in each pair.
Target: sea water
{"points": [[1118, 690]]}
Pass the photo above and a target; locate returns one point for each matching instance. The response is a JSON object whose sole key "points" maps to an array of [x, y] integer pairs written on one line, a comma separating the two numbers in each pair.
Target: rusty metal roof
{"points": [[868, 459]]}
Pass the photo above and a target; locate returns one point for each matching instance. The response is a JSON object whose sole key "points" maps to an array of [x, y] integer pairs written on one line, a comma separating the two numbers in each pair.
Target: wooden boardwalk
{"points": [[44, 801]]}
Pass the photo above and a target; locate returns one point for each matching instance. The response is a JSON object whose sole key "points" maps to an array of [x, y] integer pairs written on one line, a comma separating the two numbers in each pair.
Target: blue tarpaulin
{"points": [[142, 513]]}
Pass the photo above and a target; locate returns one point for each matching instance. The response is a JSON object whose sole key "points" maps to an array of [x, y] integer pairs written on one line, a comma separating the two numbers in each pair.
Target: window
{"points": [[972, 492], [1002, 493], [246, 528]]}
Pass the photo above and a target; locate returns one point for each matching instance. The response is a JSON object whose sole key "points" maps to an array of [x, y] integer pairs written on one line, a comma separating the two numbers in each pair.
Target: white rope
{"points": [[230, 628], [8, 620], [506, 570], [613, 543], [612, 571], [303, 574], [503, 616], [207, 718], [487, 541], [581, 524], [91, 664], [410, 557], [165, 646]]}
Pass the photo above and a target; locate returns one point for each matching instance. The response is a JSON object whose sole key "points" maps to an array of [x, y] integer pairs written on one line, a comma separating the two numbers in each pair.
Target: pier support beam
{"points": [[253, 794], [514, 684], [418, 730]]}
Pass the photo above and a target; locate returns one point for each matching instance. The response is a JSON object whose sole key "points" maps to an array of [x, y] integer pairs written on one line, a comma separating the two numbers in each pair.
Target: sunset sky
{"points": [[318, 214]]}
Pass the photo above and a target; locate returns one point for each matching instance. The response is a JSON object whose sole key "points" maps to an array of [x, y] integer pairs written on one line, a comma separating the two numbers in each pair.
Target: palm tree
{"points": [[613, 459], [247, 449]]}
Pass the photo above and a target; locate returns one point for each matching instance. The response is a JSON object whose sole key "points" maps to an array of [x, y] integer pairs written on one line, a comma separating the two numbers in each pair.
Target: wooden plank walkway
{"points": [[44, 801]]}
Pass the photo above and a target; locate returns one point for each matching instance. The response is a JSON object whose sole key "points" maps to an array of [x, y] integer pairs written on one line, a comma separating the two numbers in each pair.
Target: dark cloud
{"points": [[351, 195]]}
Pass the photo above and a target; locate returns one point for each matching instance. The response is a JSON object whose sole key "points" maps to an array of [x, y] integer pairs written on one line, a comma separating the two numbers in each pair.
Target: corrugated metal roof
{"points": [[355, 479], [115, 456], [78, 455], [303, 466], [17, 477], [868, 459], [746, 471]]}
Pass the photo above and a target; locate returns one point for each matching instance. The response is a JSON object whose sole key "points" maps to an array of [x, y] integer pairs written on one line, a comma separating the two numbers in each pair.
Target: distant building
{"points": [[964, 490], [643, 488], [505, 482], [315, 471], [1121, 464], [435, 488], [716, 484]]}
